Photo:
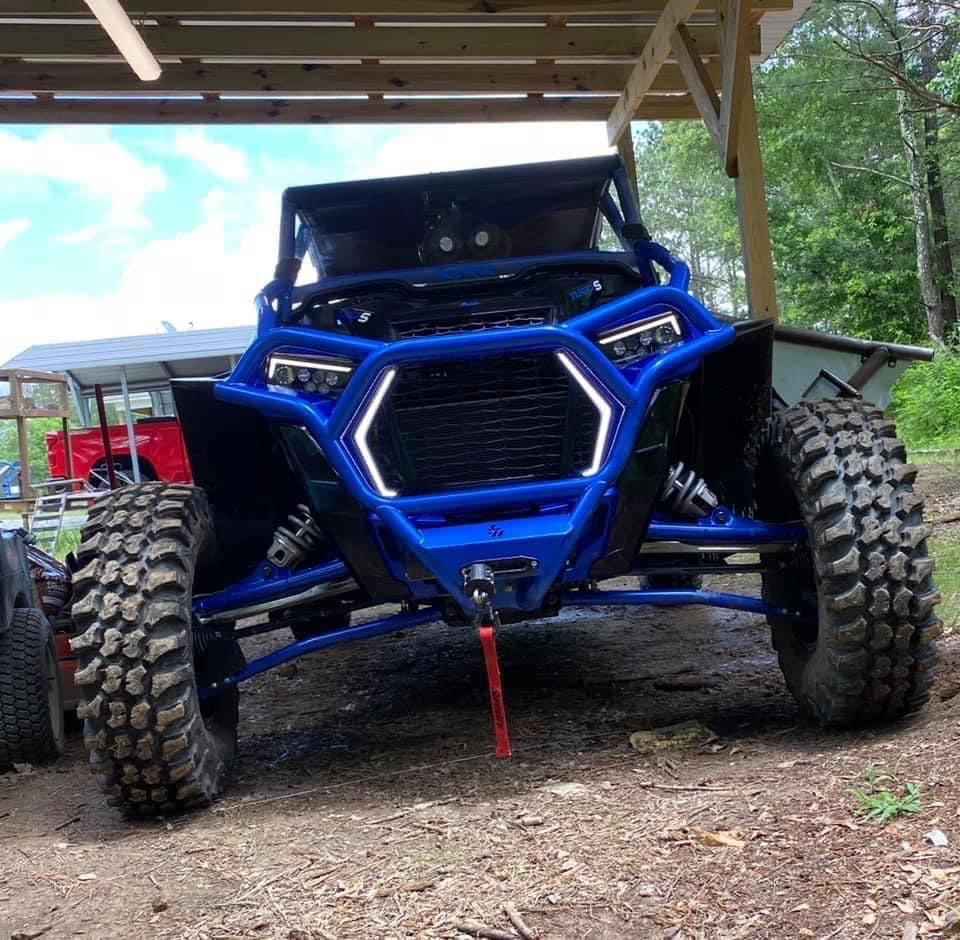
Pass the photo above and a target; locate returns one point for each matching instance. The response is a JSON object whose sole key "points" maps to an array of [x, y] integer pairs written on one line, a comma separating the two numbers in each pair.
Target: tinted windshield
{"points": [[423, 221]]}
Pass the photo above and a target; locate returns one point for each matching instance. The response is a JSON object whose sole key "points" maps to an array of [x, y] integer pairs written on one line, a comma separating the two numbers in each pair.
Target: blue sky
{"points": [[109, 231]]}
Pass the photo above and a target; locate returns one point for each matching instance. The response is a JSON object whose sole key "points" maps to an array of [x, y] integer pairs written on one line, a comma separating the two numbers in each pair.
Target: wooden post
{"points": [[752, 211], [629, 157], [26, 481]]}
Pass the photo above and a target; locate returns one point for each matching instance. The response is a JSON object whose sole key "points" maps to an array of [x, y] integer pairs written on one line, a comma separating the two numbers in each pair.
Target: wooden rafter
{"points": [[320, 43], [656, 51], [734, 41], [323, 61], [699, 80], [312, 111], [352, 8], [344, 78]]}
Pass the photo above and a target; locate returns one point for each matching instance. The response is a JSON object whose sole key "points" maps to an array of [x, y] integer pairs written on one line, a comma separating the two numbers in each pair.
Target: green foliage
{"points": [[689, 205], [68, 541], [37, 429], [841, 219], [876, 801], [947, 579], [926, 402]]}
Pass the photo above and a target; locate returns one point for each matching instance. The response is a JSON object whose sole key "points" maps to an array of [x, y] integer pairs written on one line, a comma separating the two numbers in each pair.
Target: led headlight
{"points": [[636, 340], [319, 375]]}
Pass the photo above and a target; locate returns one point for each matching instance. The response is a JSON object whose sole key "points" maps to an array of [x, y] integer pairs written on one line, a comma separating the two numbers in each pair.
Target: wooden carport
{"points": [[400, 61]]}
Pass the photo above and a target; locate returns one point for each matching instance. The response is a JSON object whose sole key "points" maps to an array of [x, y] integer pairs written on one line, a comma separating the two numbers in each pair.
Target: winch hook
{"points": [[479, 585]]}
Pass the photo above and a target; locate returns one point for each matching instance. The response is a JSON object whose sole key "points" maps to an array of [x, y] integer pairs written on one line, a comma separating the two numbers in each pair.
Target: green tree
{"points": [[838, 195], [37, 430]]}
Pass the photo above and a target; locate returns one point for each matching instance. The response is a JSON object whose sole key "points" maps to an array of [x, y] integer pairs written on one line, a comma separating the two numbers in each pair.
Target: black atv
{"points": [[31, 698]]}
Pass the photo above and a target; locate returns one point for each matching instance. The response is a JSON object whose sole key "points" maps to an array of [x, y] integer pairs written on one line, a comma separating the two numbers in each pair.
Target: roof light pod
{"points": [[645, 338], [319, 375]]}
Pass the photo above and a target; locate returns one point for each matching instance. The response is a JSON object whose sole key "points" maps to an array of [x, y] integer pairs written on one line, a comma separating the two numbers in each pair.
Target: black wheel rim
{"points": [[54, 700]]}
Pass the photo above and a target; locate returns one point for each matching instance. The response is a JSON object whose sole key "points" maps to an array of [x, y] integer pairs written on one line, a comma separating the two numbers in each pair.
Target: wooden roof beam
{"points": [[352, 8], [363, 111], [283, 80], [655, 53], [700, 82], [326, 43], [734, 43], [721, 113]]}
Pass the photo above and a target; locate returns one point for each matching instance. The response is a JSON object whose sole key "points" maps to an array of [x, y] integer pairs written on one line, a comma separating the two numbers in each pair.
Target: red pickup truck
{"points": [[161, 453]]}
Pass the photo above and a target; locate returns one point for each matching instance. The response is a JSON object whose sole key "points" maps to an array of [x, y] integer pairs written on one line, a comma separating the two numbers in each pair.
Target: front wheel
{"points": [[869, 650], [123, 467], [31, 700], [154, 745]]}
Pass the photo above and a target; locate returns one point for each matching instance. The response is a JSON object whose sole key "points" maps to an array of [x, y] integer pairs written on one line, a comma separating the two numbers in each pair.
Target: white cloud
{"points": [[10, 230], [226, 162], [206, 277], [80, 236], [433, 148], [90, 159], [209, 275]]}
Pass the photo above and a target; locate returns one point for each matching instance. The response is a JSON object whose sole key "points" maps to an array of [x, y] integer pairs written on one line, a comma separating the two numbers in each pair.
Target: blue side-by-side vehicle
{"points": [[495, 394]]}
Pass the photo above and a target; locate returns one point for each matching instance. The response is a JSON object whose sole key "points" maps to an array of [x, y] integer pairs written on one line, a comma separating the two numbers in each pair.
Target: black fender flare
{"points": [[16, 584]]}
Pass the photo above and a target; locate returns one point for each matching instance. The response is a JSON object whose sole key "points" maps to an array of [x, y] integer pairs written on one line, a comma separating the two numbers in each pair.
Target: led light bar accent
{"points": [[598, 402], [363, 429], [274, 362], [643, 327]]}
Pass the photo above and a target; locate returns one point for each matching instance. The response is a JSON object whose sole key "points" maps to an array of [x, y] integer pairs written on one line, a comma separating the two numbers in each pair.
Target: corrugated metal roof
{"points": [[150, 360]]}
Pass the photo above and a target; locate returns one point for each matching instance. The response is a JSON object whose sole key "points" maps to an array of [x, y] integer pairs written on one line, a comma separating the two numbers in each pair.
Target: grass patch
{"points": [[947, 579], [67, 541], [882, 798], [940, 453]]}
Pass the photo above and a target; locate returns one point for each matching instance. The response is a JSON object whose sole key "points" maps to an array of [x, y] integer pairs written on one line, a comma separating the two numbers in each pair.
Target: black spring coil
{"points": [[294, 541]]}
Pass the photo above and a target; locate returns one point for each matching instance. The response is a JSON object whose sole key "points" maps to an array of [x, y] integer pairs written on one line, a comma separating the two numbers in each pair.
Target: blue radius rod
{"points": [[362, 631], [403, 621], [679, 598]]}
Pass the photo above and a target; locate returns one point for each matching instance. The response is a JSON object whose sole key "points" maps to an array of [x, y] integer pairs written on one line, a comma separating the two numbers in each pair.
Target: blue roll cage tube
{"points": [[555, 534]]}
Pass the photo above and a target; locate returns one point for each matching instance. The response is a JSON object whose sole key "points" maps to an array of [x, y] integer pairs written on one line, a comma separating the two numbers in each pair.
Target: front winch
{"points": [[479, 585]]}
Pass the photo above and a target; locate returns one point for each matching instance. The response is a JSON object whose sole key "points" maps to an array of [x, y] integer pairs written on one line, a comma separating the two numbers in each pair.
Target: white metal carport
{"points": [[125, 364]]}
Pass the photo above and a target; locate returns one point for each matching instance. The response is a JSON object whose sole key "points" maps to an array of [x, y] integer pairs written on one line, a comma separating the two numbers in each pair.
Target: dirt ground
{"points": [[367, 802]]}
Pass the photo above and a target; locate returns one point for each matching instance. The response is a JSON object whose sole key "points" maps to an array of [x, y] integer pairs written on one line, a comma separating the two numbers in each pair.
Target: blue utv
{"points": [[493, 393]]}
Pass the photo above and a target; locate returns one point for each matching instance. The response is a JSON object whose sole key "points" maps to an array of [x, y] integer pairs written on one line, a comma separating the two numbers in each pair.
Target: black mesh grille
{"points": [[466, 320], [469, 422]]}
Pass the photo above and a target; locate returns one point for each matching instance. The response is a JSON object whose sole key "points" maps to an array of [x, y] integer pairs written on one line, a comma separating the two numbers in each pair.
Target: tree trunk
{"points": [[732, 286], [918, 197], [939, 229]]}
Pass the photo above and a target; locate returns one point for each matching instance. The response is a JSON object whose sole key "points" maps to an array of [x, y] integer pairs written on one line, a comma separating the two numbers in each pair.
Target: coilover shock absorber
{"points": [[293, 542], [687, 494]]}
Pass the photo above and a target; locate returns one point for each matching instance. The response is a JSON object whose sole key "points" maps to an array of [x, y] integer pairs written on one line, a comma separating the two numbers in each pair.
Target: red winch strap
{"points": [[489, 644]]}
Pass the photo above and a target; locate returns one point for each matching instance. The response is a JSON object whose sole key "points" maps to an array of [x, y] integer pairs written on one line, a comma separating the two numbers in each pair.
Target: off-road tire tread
{"points": [[26, 731], [149, 746], [876, 647]]}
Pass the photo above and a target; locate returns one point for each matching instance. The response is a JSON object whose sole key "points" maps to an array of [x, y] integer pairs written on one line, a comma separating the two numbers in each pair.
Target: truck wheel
{"points": [[100, 475], [838, 466], [31, 701], [154, 746]]}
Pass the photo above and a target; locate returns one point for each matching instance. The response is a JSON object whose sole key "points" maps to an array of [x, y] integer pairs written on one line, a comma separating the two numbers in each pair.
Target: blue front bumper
{"points": [[558, 538]]}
